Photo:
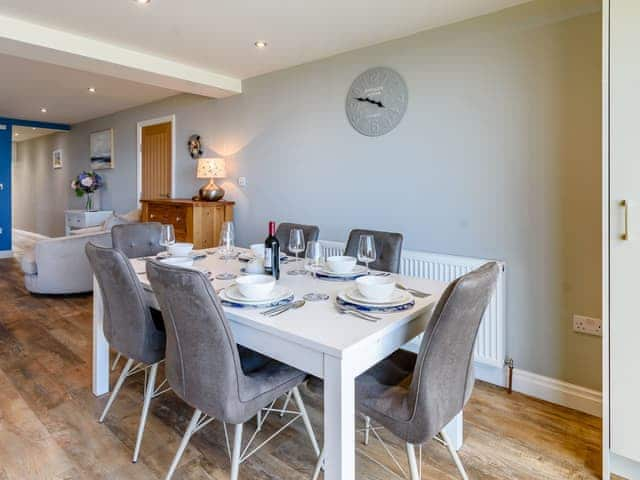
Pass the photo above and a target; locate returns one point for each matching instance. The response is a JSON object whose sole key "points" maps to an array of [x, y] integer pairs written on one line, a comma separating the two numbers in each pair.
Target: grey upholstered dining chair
{"points": [[311, 233], [204, 366], [137, 240], [129, 326], [388, 249], [416, 396]]}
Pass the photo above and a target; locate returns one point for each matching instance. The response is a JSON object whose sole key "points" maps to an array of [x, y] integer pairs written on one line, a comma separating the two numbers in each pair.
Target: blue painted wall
{"points": [[6, 125]]}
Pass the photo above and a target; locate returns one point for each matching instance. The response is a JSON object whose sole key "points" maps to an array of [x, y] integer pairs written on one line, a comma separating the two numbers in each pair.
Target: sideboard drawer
{"points": [[193, 221], [76, 220]]}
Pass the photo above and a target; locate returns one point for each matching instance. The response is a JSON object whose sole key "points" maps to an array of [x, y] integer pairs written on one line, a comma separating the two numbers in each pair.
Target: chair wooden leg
{"points": [[454, 455], [414, 469], [148, 396], [305, 419], [237, 450], [116, 389], [183, 444]]}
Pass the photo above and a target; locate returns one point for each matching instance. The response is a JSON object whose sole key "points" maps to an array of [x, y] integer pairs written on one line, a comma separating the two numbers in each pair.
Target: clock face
{"points": [[376, 101]]}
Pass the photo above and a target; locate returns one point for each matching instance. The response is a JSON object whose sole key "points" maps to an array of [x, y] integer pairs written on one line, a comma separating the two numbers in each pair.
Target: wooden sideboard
{"points": [[194, 222]]}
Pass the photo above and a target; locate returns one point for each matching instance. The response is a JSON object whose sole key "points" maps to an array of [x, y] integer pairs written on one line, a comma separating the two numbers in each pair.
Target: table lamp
{"points": [[211, 168]]}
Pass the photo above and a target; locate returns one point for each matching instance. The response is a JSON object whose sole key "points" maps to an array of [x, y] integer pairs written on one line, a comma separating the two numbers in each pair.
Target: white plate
{"points": [[357, 270], [398, 298], [280, 292]]}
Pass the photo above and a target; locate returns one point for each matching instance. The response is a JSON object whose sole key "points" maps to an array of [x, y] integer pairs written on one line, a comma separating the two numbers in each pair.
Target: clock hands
{"points": [[367, 99]]}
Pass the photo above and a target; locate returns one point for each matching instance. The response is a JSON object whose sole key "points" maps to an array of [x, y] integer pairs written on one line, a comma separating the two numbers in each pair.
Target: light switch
{"points": [[242, 181]]}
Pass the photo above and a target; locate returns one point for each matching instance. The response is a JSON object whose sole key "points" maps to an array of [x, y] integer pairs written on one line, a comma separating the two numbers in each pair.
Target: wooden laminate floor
{"points": [[49, 428]]}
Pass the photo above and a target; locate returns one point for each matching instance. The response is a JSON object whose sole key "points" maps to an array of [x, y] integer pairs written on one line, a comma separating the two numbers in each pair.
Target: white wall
{"points": [[497, 157]]}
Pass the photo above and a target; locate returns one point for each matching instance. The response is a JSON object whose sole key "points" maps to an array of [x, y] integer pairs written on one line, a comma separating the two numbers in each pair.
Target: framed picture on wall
{"points": [[57, 159], [101, 149]]}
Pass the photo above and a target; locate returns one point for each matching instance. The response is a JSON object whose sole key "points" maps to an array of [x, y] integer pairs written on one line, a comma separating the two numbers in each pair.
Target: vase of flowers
{"points": [[87, 183]]}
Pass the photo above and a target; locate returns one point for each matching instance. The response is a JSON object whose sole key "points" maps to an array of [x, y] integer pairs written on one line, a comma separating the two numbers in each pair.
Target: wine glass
{"points": [[296, 245], [227, 244], [366, 250], [315, 261], [167, 236]]}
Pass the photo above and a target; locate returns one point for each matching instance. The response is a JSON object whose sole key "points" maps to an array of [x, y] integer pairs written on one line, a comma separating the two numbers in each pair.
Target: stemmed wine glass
{"points": [[367, 250], [167, 236], [227, 244], [315, 261], [296, 245]]}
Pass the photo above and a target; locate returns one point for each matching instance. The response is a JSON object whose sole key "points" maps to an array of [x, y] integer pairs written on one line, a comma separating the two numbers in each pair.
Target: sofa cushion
{"points": [[28, 262]]}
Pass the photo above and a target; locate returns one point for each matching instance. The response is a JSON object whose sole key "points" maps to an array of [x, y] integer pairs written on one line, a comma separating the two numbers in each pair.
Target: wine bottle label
{"points": [[267, 258]]}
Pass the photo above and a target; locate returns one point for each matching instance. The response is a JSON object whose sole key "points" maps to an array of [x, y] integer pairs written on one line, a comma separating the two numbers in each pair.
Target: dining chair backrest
{"points": [[443, 378], [388, 249], [137, 240], [311, 234], [202, 362], [128, 324]]}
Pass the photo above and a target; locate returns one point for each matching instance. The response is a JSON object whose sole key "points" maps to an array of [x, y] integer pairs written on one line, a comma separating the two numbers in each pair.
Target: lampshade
{"points": [[211, 168]]}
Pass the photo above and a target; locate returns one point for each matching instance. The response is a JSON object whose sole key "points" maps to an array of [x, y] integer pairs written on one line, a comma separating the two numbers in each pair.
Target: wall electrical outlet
{"points": [[587, 325]]}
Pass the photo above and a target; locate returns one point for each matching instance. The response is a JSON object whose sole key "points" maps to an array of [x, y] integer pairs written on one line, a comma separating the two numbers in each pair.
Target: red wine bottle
{"points": [[272, 253]]}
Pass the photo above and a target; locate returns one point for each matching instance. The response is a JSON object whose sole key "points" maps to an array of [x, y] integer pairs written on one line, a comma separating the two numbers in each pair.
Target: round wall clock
{"points": [[377, 101]]}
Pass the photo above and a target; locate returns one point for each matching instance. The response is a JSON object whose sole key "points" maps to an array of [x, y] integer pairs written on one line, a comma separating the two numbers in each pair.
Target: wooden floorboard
{"points": [[49, 427]]}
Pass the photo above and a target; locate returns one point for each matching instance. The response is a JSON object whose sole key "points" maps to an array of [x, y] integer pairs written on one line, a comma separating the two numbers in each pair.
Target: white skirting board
{"points": [[545, 388], [624, 467], [6, 253]]}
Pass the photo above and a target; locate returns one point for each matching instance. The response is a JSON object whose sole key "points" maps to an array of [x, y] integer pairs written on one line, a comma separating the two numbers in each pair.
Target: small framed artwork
{"points": [[57, 159], [101, 149]]}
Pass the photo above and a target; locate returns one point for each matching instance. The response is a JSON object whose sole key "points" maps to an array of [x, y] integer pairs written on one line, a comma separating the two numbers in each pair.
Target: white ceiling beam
{"points": [[36, 42]]}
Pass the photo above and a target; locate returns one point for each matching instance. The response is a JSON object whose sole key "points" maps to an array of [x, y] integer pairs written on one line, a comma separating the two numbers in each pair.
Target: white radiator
{"points": [[491, 342]]}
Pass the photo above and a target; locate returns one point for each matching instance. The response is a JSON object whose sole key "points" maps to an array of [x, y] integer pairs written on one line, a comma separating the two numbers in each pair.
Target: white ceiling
{"points": [[218, 35], [28, 86], [20, 134]]}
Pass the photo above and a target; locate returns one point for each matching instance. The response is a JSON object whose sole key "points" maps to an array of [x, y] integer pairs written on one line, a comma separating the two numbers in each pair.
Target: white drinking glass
{"points": [[167, 236], [315, 261], [227, 247], [367, 250], [296, 245]]}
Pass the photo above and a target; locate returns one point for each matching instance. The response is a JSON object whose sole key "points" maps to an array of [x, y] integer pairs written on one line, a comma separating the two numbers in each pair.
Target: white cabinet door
{"points": [[625, 251]]}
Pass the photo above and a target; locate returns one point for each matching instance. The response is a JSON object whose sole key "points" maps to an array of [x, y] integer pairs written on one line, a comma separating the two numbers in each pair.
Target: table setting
{"points": [[239, 277]]}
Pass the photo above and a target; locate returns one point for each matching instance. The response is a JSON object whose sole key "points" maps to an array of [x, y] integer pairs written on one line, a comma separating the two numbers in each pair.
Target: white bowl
{"points": [[180, 249], [184, 262], [376, 288], [255, 266], [256, 287], [258, 250], [341, 264]]}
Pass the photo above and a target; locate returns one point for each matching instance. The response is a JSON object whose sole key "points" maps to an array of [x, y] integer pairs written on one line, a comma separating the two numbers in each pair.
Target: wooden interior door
{"points": [[156, 151]]}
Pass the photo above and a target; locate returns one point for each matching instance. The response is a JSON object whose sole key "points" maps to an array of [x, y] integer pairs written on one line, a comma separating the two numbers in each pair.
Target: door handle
{"points": [[625, 204]]}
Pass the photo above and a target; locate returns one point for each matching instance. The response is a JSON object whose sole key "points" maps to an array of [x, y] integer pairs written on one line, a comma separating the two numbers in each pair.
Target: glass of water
{"points": [[315, 261], [296, 245], [227, 247]]}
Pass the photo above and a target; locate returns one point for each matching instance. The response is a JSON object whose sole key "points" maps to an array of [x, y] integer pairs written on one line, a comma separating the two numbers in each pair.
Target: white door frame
{"points": [[147, 123]]}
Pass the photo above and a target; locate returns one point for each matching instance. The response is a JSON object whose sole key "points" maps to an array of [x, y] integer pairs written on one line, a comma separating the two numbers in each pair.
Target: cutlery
{"points": [[292, 306], [283, 308], [354, 311], [380, 274], [413, 291]]}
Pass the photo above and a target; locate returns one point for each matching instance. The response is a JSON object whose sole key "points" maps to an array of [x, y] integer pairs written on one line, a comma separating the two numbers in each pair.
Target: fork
{"points": [[352, 311]]}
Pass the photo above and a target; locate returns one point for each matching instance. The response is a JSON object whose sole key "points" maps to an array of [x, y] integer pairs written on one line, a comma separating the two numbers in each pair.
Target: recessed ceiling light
{"points": [[143, 2], [92, 89], [43, 110], [261, 44]]}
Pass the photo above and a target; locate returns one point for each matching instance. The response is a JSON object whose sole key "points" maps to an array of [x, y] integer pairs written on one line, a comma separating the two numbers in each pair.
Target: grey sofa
{"points": [[59, 265]]}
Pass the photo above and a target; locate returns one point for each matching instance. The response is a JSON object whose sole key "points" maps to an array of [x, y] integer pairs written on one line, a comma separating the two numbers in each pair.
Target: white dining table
{"points": [[316, 339]]}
